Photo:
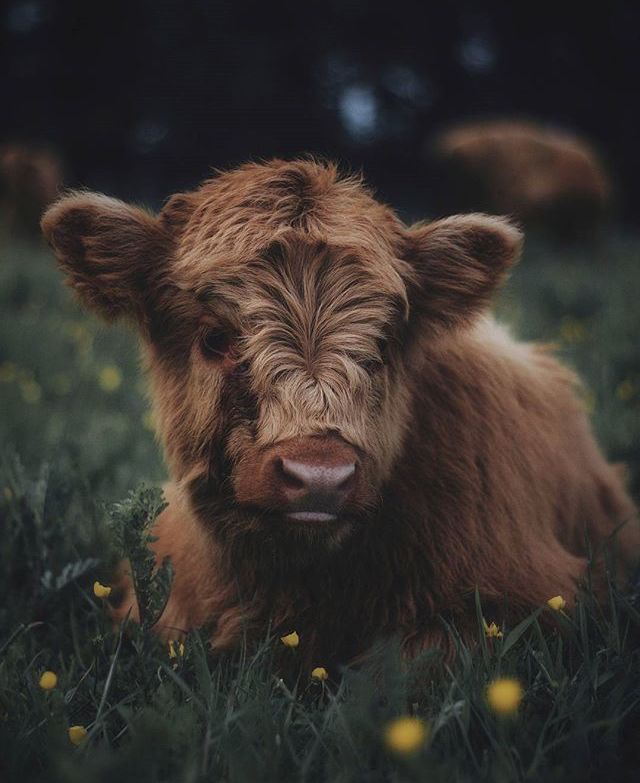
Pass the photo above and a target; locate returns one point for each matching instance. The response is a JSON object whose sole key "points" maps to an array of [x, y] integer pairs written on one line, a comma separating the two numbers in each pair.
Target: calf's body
{"points": [[498, 486], [355, 445]]}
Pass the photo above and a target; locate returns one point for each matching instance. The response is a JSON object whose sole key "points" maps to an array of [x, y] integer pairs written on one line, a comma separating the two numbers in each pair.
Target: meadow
{"points": [[78, 468]]}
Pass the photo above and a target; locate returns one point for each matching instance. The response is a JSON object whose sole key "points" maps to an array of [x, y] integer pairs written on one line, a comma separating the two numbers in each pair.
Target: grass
{"points": [[77, 444]]}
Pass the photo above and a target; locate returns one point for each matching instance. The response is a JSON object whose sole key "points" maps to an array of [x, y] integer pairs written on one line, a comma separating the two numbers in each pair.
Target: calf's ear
{"points": [[114, 254], [457, 264]]}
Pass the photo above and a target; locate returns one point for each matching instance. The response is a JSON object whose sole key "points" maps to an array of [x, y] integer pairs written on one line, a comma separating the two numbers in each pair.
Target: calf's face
{"points": [[284, 315]]}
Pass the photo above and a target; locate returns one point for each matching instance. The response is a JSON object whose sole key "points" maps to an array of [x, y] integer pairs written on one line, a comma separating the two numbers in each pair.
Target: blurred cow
{"points": [[547, 179], [30, 179]]}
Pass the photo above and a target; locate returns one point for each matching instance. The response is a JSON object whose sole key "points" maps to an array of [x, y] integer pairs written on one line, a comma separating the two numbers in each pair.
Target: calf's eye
{"points": [[375, 364], [216, 343]]}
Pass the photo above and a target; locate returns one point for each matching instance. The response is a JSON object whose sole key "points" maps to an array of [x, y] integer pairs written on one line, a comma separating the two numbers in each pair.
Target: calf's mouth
{"points": [[314, 480]]}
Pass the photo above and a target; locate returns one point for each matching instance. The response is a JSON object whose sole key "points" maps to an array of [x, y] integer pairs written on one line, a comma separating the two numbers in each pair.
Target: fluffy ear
{"points": [[177, 212], [458, 263], [113, 254]]}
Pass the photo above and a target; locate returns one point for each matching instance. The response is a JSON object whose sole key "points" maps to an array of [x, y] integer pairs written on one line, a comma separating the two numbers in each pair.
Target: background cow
{"points": [[549, 179], [30, 179]]}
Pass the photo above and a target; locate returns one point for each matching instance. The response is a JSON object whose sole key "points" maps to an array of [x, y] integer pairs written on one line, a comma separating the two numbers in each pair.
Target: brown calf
{"points": [[354, 444]]}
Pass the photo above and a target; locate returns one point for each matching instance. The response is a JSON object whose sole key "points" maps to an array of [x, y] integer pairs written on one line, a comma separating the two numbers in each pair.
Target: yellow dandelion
{"points": [[492, 631], [31, 392], [589, 401], [110, 378], [572, 330], [100, 590], [48, 681], [77, 734], [8, 372], [290, 640], [504, 695], [176, 649], [148, 421], [79, 332], [81, 336], [557, 603], [406, 735], [625, 390], [61, 383], [320, 673]]}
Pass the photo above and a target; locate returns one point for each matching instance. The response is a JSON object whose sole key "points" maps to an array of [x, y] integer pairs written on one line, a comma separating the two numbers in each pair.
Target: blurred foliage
{"points": [[132, 528], [70, 389], [74, 429], [199, 84]]}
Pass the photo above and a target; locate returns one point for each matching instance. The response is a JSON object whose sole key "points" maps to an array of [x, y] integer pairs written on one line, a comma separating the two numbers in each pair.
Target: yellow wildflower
{"points": [[81, 336], [61, 383], [77, 734], [625, 390], [572, 330], [148, 421], [176, 649], [100, 590], [589, 401], [290, 640], [110, 378], [48, 681], [557, 603], [406, 735], [492, 631], [31, 391], [504, 695], [320, 673], [78, 331], [8, 372]]}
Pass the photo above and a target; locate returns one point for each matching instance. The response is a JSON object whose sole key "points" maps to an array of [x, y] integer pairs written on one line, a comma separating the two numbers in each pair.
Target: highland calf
{"points": [[354, 444]]}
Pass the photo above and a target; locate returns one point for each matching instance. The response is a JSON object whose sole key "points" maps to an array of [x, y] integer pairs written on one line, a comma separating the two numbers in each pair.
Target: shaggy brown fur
{"points": [[548, 179], [284, 311], [30, 179]]}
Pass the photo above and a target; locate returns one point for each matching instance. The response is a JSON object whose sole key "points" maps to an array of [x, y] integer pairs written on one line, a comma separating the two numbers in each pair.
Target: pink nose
{"points": [[308, 478], [314, 487]]}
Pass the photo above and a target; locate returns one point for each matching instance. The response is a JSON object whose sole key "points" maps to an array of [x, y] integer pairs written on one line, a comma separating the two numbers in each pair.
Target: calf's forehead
{"points": [[293, 263], [299, 226], [238, 214]]}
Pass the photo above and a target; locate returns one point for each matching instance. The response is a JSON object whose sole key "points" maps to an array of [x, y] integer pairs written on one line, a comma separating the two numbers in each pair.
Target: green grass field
{"points": [[77, 439]]}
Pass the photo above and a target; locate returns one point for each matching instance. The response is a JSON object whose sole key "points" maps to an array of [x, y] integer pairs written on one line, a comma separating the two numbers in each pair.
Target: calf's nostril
{"points": [[347, 478], [341, 477], [288, 476]]}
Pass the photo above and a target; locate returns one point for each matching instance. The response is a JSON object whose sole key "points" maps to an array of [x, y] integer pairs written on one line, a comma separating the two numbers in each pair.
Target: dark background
{"points": [[144, 97]]}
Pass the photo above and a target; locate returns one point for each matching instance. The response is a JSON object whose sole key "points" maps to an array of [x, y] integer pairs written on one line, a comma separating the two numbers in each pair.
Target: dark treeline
{"points": [[143, 97]]}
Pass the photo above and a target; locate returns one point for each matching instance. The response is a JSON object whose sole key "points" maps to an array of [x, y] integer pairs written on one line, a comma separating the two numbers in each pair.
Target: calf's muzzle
{"points": [[308, 479], [315, 489]]}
